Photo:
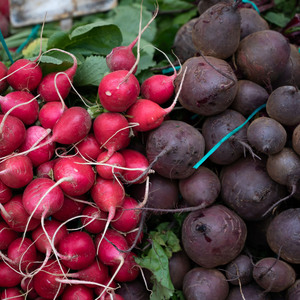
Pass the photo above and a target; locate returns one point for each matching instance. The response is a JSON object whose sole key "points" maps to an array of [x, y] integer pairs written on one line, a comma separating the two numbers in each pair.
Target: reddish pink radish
{"points": [[77, 250], [50, 113], [34, 136], [3, 80], [113, 296], [56, 86], [12, 293], [79, 291], [93, 219], [24, 74], [129, 270], [75, 175], [7, 235], [15, 215], [9, 276], [109, 169], [118, 90], [136, 164], [109, 289], [70, 208], [5, 193], [16, 172], [45, 282], [126, 219], [132, 239], [112, 132], [45, 170], [22, 105], [12, 134], [27, 287], [89, 147]]}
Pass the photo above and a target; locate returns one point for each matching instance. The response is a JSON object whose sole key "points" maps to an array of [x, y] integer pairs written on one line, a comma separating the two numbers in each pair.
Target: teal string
{"points": [[253, 4], [226, 137], [169, 70], [32, 35], [5, 47]]}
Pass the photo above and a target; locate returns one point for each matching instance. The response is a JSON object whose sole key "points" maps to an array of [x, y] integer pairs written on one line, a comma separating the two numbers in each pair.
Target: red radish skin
{"points": [[7, 235], [76, 176], [50, 113], [3, 81], [24, 75], [16, 172], [12, 134], [79, 291], [4, 8], [93, 219], [5, 193], [110, 287], [57, 81], [112, 131], [27, 113], [116, 92], [42, 197], [15, 215], [109, 169], [27, 287], [9, 277], [12, 293], [45, 170], [89, 147], [131, 237], [77, 250], [126, 217], [38, 134]]}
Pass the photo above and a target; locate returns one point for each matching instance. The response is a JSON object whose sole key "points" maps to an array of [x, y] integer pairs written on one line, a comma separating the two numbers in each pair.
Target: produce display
{"points": [[152, 152]]}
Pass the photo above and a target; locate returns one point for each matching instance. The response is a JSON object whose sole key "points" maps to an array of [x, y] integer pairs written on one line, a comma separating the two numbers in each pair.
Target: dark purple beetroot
{"points": [[206, 90], [266, 135], [213, 236], [283, 105], [134, 290], [202, 187], [216, 127], [283, 235], [254, 60], [296, 139], [293, 293], [203, 5], [273, 274], [174, 148], [239, 270], [251, 21], [183, 45], [249, 96], [217, 31], [163, 192], [251, 291], [248, 189], [179, 265], [200, 283]]}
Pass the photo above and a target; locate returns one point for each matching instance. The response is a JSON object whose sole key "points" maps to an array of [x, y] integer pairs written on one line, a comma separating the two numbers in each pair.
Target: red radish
{"points": [[45, 282], [7, 235], [137, 163], [9, 276], [42, 197], [113, 296], [129, 270], [27, 287], [4, 8], [22, 254], [15, 215], [93, 219], [45, 170], [3, 80], [56, 86], [5, 193], [79, 291], [126, 219], [12, 134], [50, 113], [16, 172], [12, 293], [34, 136], [24, 104], [4, 26], [77, 250], [109, 169], [118, 90], [75, 175], [70, 208], [24, 74], [89, 147], [108, 290], [131, 237], [112, 131]]}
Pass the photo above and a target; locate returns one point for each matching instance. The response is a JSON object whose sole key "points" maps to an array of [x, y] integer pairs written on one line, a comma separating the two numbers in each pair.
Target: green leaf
{"points": [[91, 71], [278, 19]]}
